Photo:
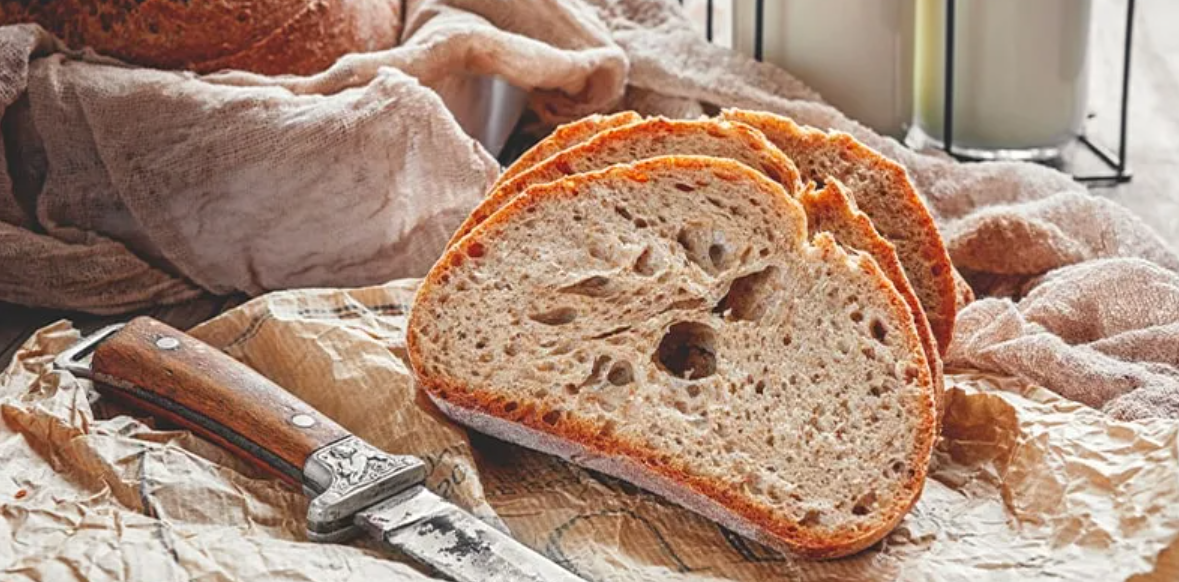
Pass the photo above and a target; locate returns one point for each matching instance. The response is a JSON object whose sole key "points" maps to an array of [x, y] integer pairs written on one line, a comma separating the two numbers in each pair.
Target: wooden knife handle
{"points": [[174, 376]]}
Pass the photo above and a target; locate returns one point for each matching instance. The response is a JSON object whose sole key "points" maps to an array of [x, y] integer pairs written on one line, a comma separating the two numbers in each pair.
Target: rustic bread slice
{"points": [[653, 137], [668, 322], [565, 137], [881, 189], [829, 209], [647, 138]]}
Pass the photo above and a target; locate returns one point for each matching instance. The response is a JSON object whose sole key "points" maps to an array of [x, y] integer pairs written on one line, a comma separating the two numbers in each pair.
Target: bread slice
{"points": [[669, 323], [828, 209], [644, 139], [565, 137], [881, 189]]}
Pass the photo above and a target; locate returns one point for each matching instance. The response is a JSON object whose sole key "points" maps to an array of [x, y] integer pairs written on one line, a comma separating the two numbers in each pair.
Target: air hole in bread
{"points": [[869, 352], [551, 417], [684, 187], [687, 350], [643, 265], [511, 406], [864, 504], [750, 296], [558, 316], [811, 518], [879, 332], [760, 388], [703, 246], [911, 374], [693, 390], [596, 286], [716, 254], [596, 251], [476, 250], [623, 212], [857, 316], [787, 340], [620, 374], [641, 223]]}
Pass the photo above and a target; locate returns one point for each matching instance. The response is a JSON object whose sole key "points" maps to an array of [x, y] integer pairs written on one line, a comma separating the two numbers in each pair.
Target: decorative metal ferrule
{"points": [[347, 476]]}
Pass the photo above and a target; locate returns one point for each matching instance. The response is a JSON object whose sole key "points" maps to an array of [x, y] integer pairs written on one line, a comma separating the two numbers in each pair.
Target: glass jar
{"points": [[858, 54], [1021, 76]]}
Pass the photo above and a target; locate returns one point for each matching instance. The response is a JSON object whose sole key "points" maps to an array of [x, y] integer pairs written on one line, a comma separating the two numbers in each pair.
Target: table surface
{"points": [[1154, 152]]}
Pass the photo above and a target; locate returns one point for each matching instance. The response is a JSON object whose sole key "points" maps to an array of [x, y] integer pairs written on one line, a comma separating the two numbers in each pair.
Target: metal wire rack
{"points": [[1116, 162]]}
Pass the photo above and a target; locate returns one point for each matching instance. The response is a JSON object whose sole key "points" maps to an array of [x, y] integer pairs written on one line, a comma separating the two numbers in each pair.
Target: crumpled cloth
{"points": [[1025, 485]]}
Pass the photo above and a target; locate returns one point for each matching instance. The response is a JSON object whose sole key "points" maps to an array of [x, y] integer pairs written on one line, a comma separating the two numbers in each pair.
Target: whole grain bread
{"points": [[828, 209], [668, 322], [565, 137], [881, 189], [643, 139], [271, 37]]}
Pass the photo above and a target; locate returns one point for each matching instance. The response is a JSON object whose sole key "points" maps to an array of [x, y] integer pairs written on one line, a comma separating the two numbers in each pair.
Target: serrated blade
{"points": [[430, 530]]}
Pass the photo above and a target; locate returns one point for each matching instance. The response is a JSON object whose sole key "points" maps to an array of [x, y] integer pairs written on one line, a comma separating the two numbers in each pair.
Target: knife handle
{"points": [[174, 376]]}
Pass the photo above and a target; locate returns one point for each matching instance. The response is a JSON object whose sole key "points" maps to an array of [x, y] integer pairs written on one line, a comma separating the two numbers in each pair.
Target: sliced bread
{"points": [[565, 137], [644, 139], [668, 322], [881, 189], [828, 209]]}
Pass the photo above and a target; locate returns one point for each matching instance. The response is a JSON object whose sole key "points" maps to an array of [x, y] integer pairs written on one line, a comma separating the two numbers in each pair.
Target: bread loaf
{"points": [[881, 189], [669, 322], [828, 209], [271, 37]]}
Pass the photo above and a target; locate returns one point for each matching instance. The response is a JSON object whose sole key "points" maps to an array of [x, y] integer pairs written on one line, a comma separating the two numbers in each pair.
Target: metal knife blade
{"points": [[426, 528]]}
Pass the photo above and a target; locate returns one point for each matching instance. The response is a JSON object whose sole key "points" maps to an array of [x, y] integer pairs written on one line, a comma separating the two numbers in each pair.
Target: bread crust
{"points": [[270, 37], [581, 442], [930, 272], [563, 138]]}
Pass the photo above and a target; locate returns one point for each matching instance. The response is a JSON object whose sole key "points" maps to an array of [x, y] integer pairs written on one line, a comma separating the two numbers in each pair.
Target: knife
{"points": [[353, 485]]}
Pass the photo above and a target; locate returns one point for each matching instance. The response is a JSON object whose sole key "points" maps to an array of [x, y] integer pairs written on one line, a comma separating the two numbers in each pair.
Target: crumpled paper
{"points": [[1025, 484]]}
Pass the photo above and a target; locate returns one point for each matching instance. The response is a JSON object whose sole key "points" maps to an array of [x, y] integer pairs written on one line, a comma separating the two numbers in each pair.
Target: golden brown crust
{"points": [[570, 161], [271, 37], [771, 528], [829, 210], [927, 264], [563, 138]]}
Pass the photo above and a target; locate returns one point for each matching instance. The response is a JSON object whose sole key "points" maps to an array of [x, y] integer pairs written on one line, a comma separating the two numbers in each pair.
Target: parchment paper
{"points": [[1026, 485]]}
